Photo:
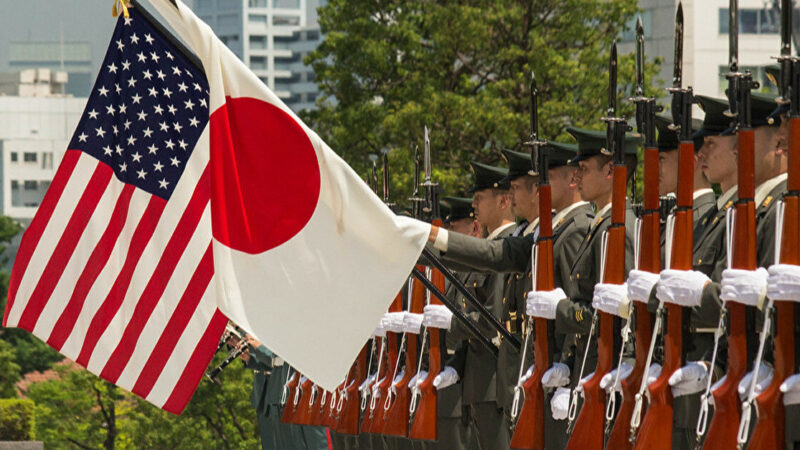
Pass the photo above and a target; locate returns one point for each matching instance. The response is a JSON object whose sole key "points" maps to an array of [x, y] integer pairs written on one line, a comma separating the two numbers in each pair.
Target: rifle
{"points": [[771, 426], [347, 407], [288, 398], [648, 259], [381, 389], [529, 429], [657, 426], [424, 425], [589, 428], [368, 408], [724, 425]]}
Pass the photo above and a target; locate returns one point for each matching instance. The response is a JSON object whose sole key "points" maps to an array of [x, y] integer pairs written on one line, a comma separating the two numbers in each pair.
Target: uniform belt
{"points": [[277, 361], [705, 330], [261, 372]]}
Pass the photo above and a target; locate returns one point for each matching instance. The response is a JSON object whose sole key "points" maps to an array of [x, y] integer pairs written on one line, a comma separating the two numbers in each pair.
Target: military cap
{"points": [[715, 121], [519, 164], [559, 154], [488, 177], [591, 143], [669, 139], [457, 208], [762, 107]]}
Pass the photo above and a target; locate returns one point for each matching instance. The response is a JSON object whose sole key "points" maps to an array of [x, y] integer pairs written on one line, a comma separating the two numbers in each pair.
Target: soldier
{"points": [[259, 359]]}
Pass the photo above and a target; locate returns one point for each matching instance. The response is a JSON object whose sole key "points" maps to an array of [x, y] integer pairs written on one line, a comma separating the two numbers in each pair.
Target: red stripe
{"points": [[66, 245], [34, 231], [152, 293], [113, 301], [176, 326], [197, 365], [97, 260]]}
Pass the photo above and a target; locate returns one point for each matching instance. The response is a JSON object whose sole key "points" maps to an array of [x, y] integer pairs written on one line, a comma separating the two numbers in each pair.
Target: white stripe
{"points": [[175, 289], [53, 232], [152, 254], [184, 349], [95, 228]]}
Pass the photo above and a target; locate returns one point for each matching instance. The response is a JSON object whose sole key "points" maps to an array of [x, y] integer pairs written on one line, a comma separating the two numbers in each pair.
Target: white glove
{"points": [[412, 323], [379, 330], [681, 287], [559, 404], [417, 379], [446, 377], [366, 383], [640, 285], [791, 390], [611, 299], [393, 322], [763, 380], [608, 379], [556, 376], [398, 378], [716, 386], [543, 303], [784, 282], [583, 381], [437, 316], [748, 287], [655, 372], [689, 379], [527, 374]]}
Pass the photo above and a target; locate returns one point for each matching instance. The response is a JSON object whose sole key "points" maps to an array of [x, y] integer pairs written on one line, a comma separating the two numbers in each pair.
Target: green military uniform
{"points": [[260, 363], [289, 436]]}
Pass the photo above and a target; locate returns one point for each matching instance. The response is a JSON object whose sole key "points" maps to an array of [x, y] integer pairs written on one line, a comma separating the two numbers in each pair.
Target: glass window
{"points": [[258, 19], [258, 62], [724, 21], [229, 20], [286, 20], [14, 185], [751, 21], [289, 4], [257, 3], [14, 156], [748, 21], [258, 42], [769, 22], [31, 185], [29, 157]]}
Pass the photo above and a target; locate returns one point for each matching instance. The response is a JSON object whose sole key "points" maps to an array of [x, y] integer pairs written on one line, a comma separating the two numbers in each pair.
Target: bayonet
{"points": [[677, 69], [374, 180], [682, 99], [615, 132], [386, 178], [427, 156], [646, 107], [416, 200], [431, 201], [537, 146]]}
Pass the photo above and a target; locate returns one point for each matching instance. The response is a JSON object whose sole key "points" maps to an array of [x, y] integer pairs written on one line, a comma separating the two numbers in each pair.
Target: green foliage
{"points": [[17, 420], [9, 370], [462, 68]]}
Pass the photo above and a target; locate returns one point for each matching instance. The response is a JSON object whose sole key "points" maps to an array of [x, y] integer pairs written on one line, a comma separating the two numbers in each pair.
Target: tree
{"points": [[387, 68], [9, 370]]}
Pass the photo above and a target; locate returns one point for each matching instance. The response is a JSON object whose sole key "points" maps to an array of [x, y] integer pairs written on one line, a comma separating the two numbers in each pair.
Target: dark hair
{"points": [[630, 164]]}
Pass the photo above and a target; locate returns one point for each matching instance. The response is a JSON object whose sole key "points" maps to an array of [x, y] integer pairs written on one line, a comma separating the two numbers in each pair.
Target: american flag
{"points": [[115, 270]]}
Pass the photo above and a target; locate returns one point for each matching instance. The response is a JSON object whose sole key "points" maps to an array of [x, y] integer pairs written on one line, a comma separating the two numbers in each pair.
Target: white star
{"points": [[134, 38], [163, 183], [142, 115], [120, 45], [82, 137], [152, 149], [203, 102], [112, 68], [126, 65], [176, 71], [136, 157], [182, 87], [148, 132], [100, 132], [131, 140], [177, 126], [116, 130], [154, 57], [172, 109], [141, 56], [118, 149], [183, 144], [152, 92], [136, 99], [159, 109], [194, 122], [128, 21], [169, 144], [93, 114], [123, 167], [174, 161], [197, 87], [160, 75], [164, 126], [148, 38], [189, 104], [147, 75], [107, 150], [169, 56], [141, 174], [167, 92], [158, 166], [132, 82], [117, 88], [127, 124], [103, 91], [122, 108], [110, 109], [189, 73]]}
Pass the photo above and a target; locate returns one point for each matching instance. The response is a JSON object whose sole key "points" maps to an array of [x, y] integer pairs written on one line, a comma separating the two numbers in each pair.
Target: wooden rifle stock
{"points": [[289, 408], [302, 415], [369, 413], [529, 430], [376, 411], [724, 427], [347, 418]]}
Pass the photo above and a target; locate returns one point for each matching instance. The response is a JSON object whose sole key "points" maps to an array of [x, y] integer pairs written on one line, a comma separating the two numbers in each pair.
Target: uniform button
{"points": [[699, 261], [570, 278], [504, 299], [517, 276], [475, 284], [578, 276]]}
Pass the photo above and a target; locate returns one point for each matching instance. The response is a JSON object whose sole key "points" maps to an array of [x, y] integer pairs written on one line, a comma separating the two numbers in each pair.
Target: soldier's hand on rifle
{"points": [[556, 376], [365, 386], [784, 282], [681, 287], [393, 321], [527, 374], [689, 379], [763, 380], [748, 287], [437, 316], [544, 303], [791, 390], [641, 284], [559, 404], [608, 379], [412, 323], [417, 379], [252, 342], [653, 373], [612, 299], [446, 377]]}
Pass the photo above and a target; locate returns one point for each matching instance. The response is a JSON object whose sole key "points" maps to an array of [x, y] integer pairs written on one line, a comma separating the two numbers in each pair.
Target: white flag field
{"points": [[190, 195]]}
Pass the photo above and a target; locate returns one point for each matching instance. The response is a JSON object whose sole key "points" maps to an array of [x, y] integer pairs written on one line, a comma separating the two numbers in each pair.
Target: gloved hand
{"points": [[393, 322], [556, 376], [689, 379], [437, 316], [791, 390], [748, 287], [655, 372], [681, 287], [611, 299], [527, 374], [412, 323], [365, 385], [398, 378], [763, 380], [608, 379], [784, 282], [640, 285], [417, 379], [584, 380], [379, 330], [715, 386], [543, 303], [559, 404], [446, 377]]}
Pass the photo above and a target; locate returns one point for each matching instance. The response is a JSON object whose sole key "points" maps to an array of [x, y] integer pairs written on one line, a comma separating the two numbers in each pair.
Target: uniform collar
{"points": [[599, 216], [766, 187], [701, 192], [531, 226], [726, 197], [563, 213], [499, 230]]}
